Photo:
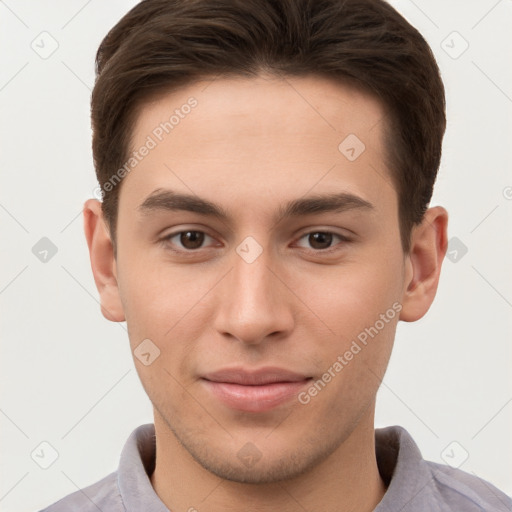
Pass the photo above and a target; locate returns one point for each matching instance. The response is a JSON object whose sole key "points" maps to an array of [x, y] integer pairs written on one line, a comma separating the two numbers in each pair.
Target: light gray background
{"points": [[67, 376]]}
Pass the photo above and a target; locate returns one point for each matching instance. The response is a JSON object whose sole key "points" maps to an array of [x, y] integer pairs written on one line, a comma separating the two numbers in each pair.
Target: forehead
{"points": [[245, 138]]}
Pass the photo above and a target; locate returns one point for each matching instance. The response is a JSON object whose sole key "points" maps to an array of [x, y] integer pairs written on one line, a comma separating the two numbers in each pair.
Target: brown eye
{"points": [[188, 240], [322, 240], [191, 239]]}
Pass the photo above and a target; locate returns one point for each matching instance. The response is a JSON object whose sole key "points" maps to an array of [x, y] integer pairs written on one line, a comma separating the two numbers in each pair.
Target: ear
{"points": [[429, 242], [103, 262]]}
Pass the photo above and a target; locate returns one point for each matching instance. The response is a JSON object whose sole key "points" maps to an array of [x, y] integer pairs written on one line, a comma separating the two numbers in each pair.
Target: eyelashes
{"points": [[195, 240], [192, 240], [324, 235]]}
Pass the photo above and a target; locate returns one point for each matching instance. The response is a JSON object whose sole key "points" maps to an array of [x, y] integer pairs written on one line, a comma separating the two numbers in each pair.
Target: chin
{"points": [[262, 462], [280, 468]]}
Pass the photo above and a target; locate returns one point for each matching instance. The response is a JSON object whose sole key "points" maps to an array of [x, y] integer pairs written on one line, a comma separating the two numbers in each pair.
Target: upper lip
{"points": [[258, 377]]}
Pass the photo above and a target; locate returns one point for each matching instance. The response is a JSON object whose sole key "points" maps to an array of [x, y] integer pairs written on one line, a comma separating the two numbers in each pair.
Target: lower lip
{"points": [[255, 398]]}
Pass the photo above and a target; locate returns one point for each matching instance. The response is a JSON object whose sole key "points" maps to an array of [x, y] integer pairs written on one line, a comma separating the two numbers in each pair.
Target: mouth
{"points": [[254, 391]]}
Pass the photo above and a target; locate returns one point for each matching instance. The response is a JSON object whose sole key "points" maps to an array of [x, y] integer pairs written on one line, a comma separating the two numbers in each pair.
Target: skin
{"points": [[250, 146]]}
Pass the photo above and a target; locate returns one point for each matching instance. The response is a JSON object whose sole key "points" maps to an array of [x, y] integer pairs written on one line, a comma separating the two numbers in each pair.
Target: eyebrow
{"points": [[169, 200]]}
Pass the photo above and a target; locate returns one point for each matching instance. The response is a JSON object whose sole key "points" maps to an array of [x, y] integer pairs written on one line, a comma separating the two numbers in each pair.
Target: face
{"points": [[258, 250]]}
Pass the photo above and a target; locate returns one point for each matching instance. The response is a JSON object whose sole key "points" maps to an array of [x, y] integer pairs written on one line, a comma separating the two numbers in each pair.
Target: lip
{"points": [[254, 391]]}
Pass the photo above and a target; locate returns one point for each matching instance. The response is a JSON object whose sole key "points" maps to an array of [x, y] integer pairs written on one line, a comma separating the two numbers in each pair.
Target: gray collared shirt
{"points": [[414, 484]]}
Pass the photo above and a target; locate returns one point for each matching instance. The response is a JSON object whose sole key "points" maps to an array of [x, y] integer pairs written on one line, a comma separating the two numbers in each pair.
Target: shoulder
{"points": [[459, 490], [415, 483], [104, 495]]}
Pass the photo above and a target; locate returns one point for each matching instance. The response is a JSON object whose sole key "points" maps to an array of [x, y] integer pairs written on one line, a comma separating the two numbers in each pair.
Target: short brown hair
{"points": [[161, 45]]}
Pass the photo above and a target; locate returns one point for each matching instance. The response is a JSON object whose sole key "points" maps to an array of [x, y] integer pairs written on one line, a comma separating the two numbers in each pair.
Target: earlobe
{"points": [[103, 262], [423, 264]]}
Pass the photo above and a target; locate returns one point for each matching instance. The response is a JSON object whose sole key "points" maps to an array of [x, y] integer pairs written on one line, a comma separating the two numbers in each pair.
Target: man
{"points": [[266, 168]]}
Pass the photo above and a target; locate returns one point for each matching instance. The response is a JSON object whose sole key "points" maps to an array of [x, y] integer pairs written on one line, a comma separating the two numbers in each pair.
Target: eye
{"points": [[322, 240], [189, 239]]}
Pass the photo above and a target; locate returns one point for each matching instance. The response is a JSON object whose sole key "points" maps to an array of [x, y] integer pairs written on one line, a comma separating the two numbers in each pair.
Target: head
{"points": [[226, 137]]}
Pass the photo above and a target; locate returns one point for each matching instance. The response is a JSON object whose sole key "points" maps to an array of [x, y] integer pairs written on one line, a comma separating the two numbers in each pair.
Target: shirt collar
{"points": [[405, 472], [136, 465]]}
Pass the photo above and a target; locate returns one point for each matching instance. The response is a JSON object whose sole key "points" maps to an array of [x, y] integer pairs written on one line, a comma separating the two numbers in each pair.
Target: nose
{"points": [[253, 302]]}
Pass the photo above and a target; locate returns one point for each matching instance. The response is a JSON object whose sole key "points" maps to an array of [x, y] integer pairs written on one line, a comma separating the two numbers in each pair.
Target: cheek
{"points": [[360, 305], [350, 298], [167, 306], [361, 309], [153, 293]]}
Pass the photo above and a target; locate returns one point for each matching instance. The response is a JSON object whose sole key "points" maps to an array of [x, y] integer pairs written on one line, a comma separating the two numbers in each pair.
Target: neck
{"points": [[347, 480]]}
